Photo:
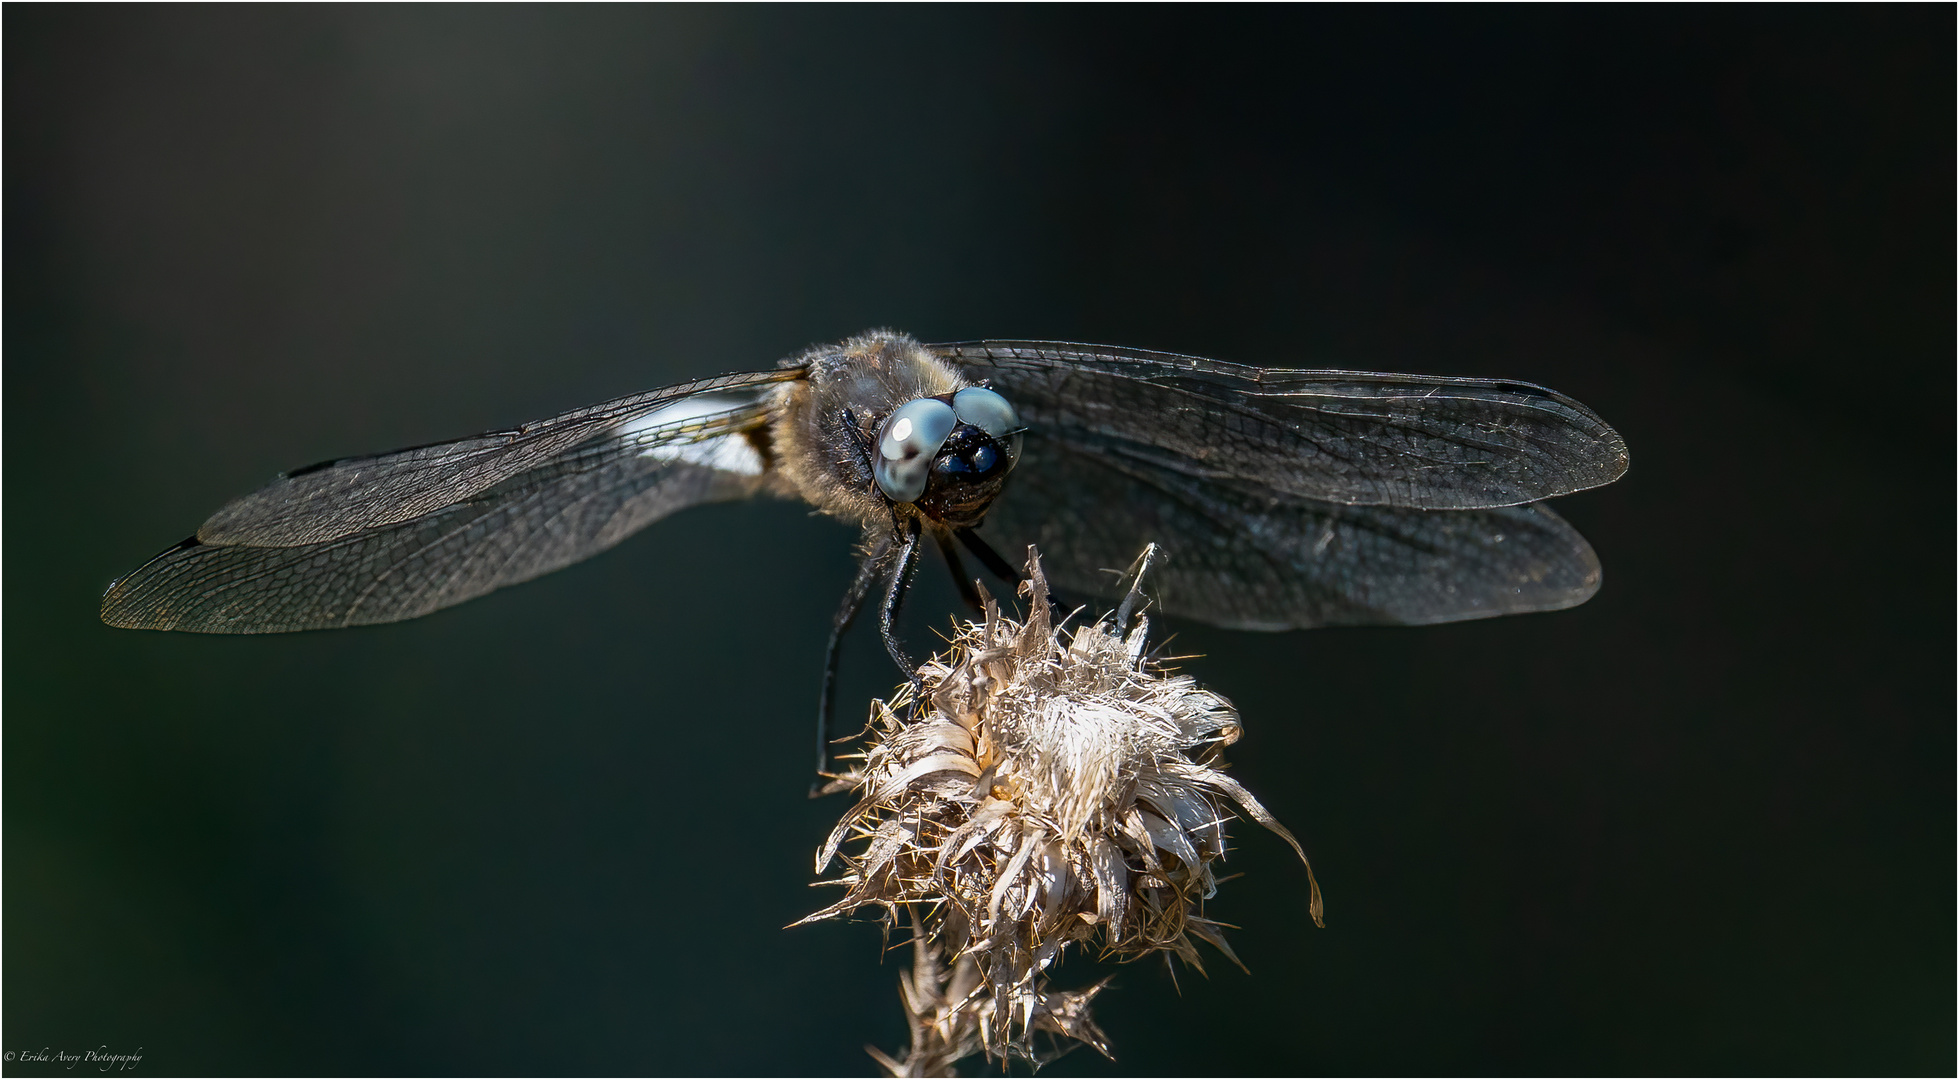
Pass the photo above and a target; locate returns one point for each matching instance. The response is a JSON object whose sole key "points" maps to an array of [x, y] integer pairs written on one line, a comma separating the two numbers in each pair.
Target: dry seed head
{"points": [[1043, 787]]}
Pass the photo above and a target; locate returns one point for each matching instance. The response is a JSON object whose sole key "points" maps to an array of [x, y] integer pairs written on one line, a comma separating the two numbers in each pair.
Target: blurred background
{"points": [[1704, 823]]}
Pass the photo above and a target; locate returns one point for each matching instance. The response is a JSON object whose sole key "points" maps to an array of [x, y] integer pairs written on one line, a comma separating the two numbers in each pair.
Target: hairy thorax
{"points": [[825, 427]]}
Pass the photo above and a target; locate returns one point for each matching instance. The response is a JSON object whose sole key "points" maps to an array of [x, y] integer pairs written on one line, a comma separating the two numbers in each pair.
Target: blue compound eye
{"points": [[972, 461], [985, 410], [991, 413], [907, 443]]}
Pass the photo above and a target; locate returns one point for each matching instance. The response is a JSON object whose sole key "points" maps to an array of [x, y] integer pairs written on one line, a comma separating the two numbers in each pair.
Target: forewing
{"points": [[563, 510], [1262, 561], [341, 498], [1355, 438]]}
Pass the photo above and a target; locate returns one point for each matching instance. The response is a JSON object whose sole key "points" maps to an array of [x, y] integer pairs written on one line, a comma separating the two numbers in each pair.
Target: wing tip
{"points": [[1579, 587], [1615, 459], [113, 614], [119, 606], [1606, 463]]}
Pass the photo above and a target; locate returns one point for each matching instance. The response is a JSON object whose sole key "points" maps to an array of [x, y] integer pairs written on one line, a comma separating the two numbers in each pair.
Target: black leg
{"points": [[894, 595], [967, 590], [868, 571], [990, 558], [862, 444], [1000, 567]]}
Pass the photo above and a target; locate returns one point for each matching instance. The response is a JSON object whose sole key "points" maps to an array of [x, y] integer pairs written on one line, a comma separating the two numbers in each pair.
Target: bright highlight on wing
{"points": [[669, 433]]}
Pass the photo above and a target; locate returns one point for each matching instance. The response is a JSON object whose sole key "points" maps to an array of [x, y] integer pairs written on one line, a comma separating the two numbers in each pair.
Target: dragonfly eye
{"points": [[985, 410], [993, 414], [974, 458], [907, 443]]}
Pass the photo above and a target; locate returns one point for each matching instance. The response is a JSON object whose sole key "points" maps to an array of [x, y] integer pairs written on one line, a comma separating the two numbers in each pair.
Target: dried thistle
{"points": [[1025, 793]]}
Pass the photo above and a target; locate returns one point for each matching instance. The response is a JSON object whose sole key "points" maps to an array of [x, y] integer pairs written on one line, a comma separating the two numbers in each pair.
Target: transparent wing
{"points": [[560, 510], [340, 498], [1254, 559], [1348, 437]]}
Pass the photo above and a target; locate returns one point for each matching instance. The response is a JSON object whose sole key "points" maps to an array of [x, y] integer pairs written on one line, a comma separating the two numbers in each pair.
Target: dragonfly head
{"points": [[948, 455]]}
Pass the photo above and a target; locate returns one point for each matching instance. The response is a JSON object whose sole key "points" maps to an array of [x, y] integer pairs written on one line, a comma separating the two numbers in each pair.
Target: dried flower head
{"points": [[1027, 792]]}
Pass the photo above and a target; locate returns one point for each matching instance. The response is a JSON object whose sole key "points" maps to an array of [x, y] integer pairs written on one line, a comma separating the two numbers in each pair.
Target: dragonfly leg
{"points": [[894, 595], [1001, 568], [967, 590], [988, 557], [869, 568]]}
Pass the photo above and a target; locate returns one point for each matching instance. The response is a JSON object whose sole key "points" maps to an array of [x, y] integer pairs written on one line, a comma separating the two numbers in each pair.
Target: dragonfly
{"points": [[1278, 498]]}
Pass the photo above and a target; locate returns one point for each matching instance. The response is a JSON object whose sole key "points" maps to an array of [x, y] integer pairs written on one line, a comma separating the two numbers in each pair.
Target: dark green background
{"points": [[1702, 824]]}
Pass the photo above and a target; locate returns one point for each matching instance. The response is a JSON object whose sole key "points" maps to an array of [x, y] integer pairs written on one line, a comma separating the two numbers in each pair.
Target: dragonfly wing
{"points": [[351, 495], [1254, 559], [561, 510], [1354, 438]]}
